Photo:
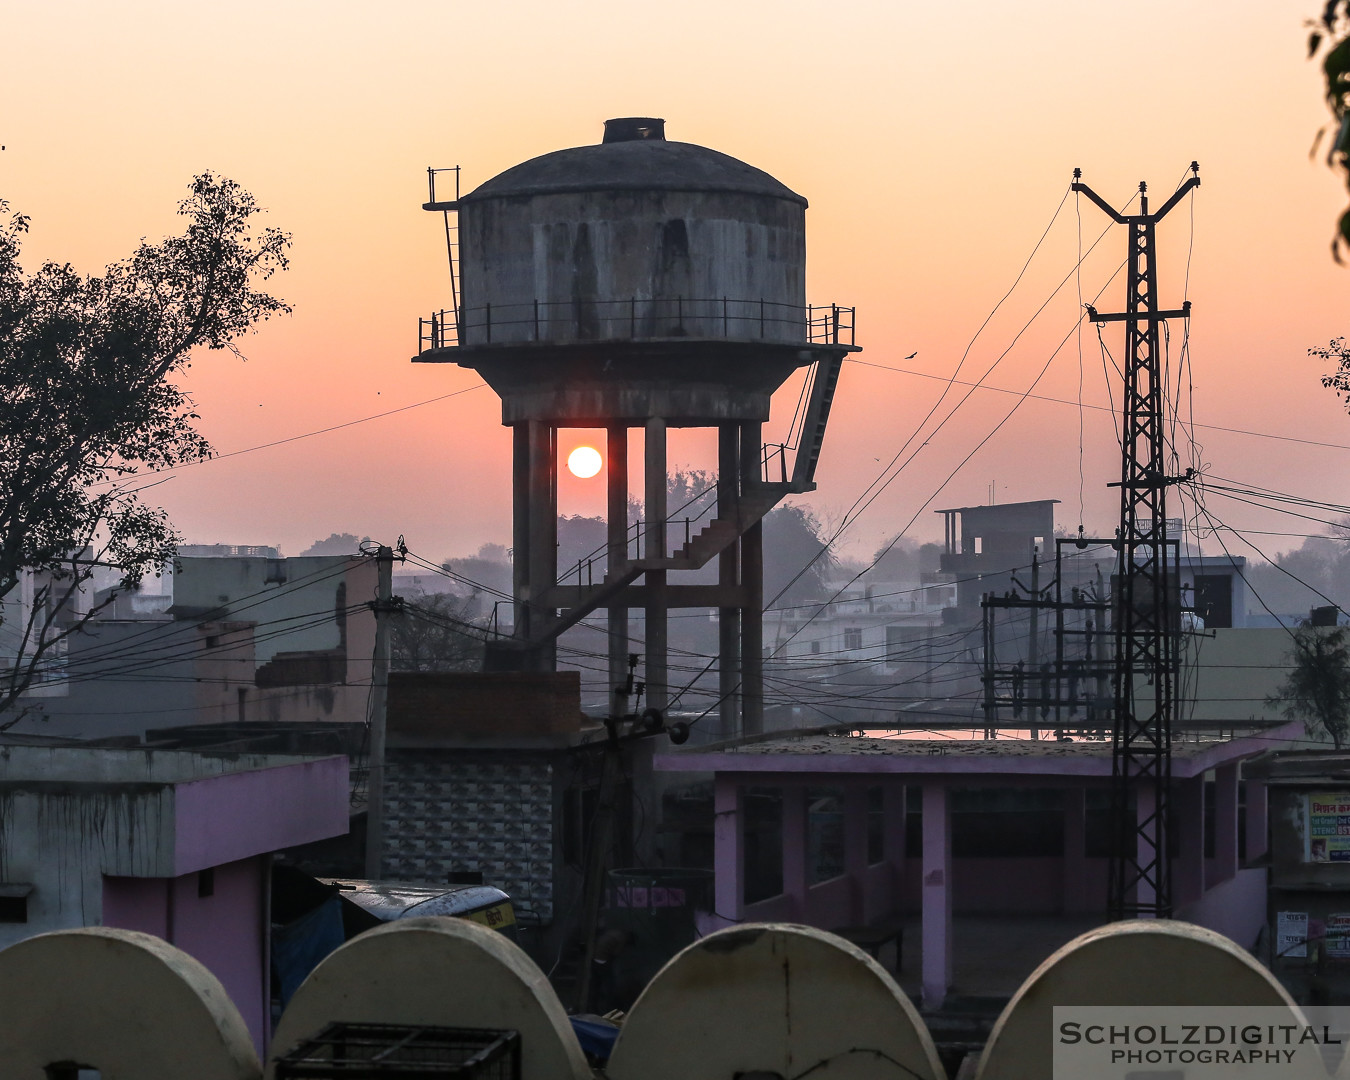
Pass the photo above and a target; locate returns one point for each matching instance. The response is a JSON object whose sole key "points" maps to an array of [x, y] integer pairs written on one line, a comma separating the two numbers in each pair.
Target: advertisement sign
{"points": [[1291, 934], [1338, 936], [1327, 837]]}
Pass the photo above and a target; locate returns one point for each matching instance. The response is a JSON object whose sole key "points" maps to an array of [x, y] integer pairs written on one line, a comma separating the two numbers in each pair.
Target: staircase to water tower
{"points": [[730, 524]]}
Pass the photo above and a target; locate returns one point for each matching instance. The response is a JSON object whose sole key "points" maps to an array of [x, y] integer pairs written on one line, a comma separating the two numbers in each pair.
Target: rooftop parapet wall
{"points": [[730, 1004], [71, 815], [426, 708]]}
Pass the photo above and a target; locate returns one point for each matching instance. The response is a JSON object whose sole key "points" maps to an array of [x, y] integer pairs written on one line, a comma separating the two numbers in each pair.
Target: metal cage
{"points": [[403, 1052]]}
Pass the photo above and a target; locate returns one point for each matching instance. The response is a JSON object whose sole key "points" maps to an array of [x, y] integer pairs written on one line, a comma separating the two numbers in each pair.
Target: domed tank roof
{"points": [[635, 156]]}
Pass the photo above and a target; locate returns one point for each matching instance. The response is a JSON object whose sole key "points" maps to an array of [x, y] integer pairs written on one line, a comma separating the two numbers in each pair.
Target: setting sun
{"points": [[584, 461]]}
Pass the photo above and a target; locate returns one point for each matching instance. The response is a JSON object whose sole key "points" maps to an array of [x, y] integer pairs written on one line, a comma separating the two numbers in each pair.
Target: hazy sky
{"points": [[934, 142]]}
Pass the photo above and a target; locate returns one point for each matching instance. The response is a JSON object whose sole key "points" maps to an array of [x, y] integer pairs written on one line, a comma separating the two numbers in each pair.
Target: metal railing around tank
{"points": [[636, 319]]}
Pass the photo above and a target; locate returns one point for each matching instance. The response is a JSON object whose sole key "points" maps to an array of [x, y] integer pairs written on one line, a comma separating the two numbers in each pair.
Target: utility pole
{"points": [[1145, 609], [649, 723], [1034, 630], [383, 605]]}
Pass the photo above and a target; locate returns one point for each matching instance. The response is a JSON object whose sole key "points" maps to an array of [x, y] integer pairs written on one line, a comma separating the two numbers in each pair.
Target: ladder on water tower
{"points": [[824, 382], [449, 209]]}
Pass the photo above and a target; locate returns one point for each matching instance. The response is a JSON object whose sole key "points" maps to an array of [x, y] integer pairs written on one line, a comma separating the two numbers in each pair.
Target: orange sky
{"points": [[933, 141]]}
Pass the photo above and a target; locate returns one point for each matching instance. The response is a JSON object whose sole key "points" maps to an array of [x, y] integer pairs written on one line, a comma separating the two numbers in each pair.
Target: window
{"points": [[206, 882], [1007, 822], [824, 834], [1214, 599], [52, 667], [14, 903], [853, 638], [876, 826], [762, 814], [815, 647]]}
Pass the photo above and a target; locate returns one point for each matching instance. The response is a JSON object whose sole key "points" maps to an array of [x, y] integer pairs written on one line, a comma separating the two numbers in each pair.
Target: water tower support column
{"points": [[520, 528], [616, 517], [541, 549], [752, 576], [654, 493], [728, 577]]}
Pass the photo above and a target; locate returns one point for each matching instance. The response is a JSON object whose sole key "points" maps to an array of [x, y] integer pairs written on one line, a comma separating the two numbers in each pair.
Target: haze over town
{"points": [[934, 143]]}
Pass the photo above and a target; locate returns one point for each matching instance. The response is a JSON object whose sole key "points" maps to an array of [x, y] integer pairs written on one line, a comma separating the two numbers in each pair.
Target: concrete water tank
{"points": [[635, 238]]}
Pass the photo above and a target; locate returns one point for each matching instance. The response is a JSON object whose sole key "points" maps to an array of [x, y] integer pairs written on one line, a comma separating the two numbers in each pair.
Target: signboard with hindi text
{"points": [[1327, 837]]}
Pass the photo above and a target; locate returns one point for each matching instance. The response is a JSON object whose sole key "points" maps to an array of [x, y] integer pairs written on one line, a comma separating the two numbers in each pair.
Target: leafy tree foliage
{"points": [[1329, 40], [1339, 380], [488, 571], [905, 560], [581, 539], [1312, 575], [796, 560], [89, 399], [336, 544], [1317, 690]]}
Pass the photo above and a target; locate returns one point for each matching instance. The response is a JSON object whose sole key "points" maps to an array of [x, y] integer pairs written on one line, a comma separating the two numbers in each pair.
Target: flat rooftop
{"points": [[22, 761], [817, 753]]}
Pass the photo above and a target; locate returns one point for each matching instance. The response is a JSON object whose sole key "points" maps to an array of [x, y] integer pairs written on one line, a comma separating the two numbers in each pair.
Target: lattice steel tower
{"points": [[1146, 605]]}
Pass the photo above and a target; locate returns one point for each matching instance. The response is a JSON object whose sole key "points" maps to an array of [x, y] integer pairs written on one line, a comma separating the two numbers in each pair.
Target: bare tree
{"points": [[438, 632]]}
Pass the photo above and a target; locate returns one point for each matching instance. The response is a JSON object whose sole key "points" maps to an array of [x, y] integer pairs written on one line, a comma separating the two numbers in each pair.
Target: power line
{"points": [[1095, 408], [297, 438]]}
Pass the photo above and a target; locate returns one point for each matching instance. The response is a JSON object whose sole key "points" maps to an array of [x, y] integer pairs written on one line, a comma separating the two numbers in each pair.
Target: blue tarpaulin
{"points": [[298, 946], [596, 1036]]}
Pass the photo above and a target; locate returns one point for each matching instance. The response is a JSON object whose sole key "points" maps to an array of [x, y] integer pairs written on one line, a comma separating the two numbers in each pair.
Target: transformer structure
{"points": [[641, 283], [1064, 691]]}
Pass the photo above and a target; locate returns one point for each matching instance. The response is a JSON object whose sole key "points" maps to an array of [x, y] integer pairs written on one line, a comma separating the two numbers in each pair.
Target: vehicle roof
{"points": [[387, 900]]}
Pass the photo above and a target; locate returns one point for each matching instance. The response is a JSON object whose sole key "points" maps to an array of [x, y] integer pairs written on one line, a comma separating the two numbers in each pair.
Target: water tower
{"points": [[641, 283]]}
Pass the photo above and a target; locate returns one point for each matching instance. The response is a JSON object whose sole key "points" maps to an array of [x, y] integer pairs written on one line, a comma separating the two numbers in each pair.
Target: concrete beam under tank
{"points": [[686, 382]]}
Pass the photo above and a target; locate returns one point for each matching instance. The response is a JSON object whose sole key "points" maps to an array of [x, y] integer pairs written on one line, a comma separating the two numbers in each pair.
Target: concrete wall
{"points": [[124, 676], [288, 598], [225, 930], [755, 1000], [462, 811], [425, 706], [1235, 672], [252, 639], [70, 816], [1236, 908], [600, 250], [123, 838]]}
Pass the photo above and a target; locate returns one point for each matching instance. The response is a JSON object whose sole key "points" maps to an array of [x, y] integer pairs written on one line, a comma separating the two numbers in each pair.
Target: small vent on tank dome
{"points": [[634, 128]]}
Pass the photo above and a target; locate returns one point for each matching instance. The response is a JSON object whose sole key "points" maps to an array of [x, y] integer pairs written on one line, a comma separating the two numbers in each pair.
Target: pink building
{"points": [[173, 843], [820, 830]]}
